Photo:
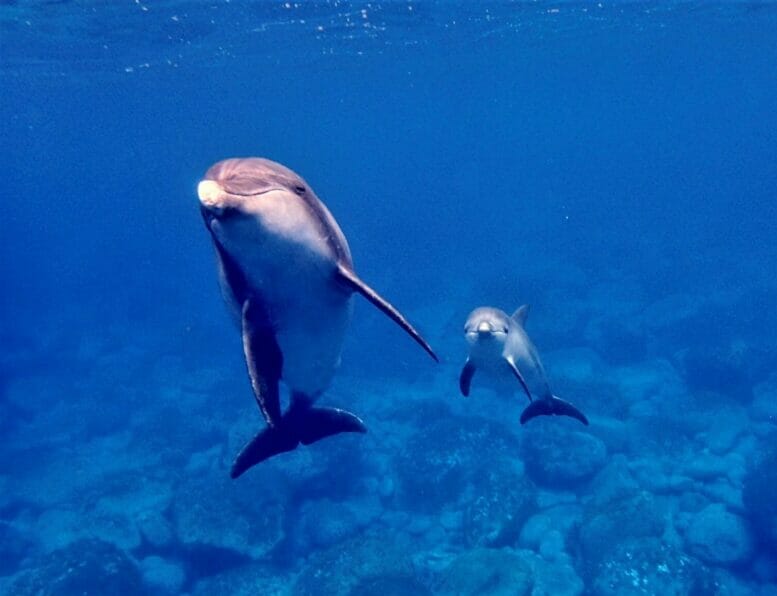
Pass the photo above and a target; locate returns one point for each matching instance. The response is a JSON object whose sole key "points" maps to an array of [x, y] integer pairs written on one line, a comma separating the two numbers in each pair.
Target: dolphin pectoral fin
{"points": [[264, 360], [465, 379], [271, 441], [519, 376], [521, 314], [357, 285], [554, 406], [315, 424]]}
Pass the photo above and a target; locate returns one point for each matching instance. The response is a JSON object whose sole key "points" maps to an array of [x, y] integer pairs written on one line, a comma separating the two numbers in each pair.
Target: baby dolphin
{"points": [[499, 344], [286, 273]]}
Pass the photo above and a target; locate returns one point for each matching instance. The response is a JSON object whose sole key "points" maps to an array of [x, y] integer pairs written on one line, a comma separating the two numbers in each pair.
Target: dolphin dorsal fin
{"points": [[521, 314]]}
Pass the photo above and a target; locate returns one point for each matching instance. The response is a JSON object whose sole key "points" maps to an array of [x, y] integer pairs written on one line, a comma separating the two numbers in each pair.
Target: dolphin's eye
{"points": [[299, 189], [504, 329]]}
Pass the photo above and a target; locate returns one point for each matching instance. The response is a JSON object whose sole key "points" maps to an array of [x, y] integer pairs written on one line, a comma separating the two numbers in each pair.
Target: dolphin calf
{"points": [[499, 344], [286, 273]]}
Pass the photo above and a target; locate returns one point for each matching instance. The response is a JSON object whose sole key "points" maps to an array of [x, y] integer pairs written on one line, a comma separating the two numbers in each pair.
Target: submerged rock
{"points": [[87, 567], [642, 516], [562, 459], [509, 572], [714, 368], [322, 523], [339, 570], [247, 580], [725, 424], [390, 584], [648, 566], [439, 460], [487, 572], [503, 498], [717, 536], [165, 577], [155, 529], [614, 482], [759, 495], [560, 519], [556, 577], [59, 527], [212, 512]]}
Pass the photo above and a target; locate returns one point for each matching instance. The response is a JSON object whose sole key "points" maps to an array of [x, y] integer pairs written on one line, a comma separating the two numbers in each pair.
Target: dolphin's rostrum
{"points": [[499, 344], [286, 272]]}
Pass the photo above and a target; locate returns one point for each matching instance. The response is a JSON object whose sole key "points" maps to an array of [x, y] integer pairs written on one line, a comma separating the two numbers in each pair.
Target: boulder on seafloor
{"points": [[717, 536], [156, 529], [322, 523], [245, 580], [714, 368], [390, 584], [642, 516], [613, 482], [58, 527], [210, 512], [558, 458], [555, 577], [723, 427], [487, 572], [86, 567], [759, 495], [437, 463], [338, 570], [729, 583], [559, 518], [648, 566], [165, 577], [503, 498], [497, 572], [647, 380]]}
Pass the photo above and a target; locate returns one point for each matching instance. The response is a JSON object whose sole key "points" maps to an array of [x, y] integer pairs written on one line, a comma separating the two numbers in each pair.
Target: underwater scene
{"points": [[395, 298]]}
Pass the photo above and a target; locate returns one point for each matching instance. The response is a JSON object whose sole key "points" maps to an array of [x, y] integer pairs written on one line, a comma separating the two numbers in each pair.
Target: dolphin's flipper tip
{"points": [[465, 378], [349, 277], [552, 407]]}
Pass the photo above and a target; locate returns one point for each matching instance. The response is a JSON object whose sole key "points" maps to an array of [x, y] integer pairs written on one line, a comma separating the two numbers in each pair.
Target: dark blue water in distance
{"points": [[610, 164]]}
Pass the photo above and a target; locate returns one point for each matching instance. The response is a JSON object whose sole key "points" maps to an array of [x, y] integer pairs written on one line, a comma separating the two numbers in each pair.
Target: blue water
{"points": [[611, 164]]}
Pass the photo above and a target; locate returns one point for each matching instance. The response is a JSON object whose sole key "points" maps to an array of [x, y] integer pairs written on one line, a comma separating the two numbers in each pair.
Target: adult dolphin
{"points": [[286, 272], [499, 344]]}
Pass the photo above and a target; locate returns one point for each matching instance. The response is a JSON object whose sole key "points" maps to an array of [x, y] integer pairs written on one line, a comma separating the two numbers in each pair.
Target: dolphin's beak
{"points": [[211, 200], [209, 193], [484, 328]]}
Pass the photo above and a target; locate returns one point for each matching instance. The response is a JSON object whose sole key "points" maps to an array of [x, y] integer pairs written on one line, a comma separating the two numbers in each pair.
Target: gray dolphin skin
{"points": [[498, 343], [286, 273]]}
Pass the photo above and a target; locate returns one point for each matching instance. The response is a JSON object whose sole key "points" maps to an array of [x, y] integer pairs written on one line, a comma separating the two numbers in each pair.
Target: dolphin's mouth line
{"points": [[253, 194]]}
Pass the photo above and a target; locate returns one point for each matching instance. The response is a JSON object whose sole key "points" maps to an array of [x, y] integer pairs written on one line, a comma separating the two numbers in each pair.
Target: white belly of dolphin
{"points": [[311, 343], [296, 285]]}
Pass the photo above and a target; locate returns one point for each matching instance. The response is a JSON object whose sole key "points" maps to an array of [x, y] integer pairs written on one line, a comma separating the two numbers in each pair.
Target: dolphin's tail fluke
{"points": [[555, 406], [300, 425]]}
